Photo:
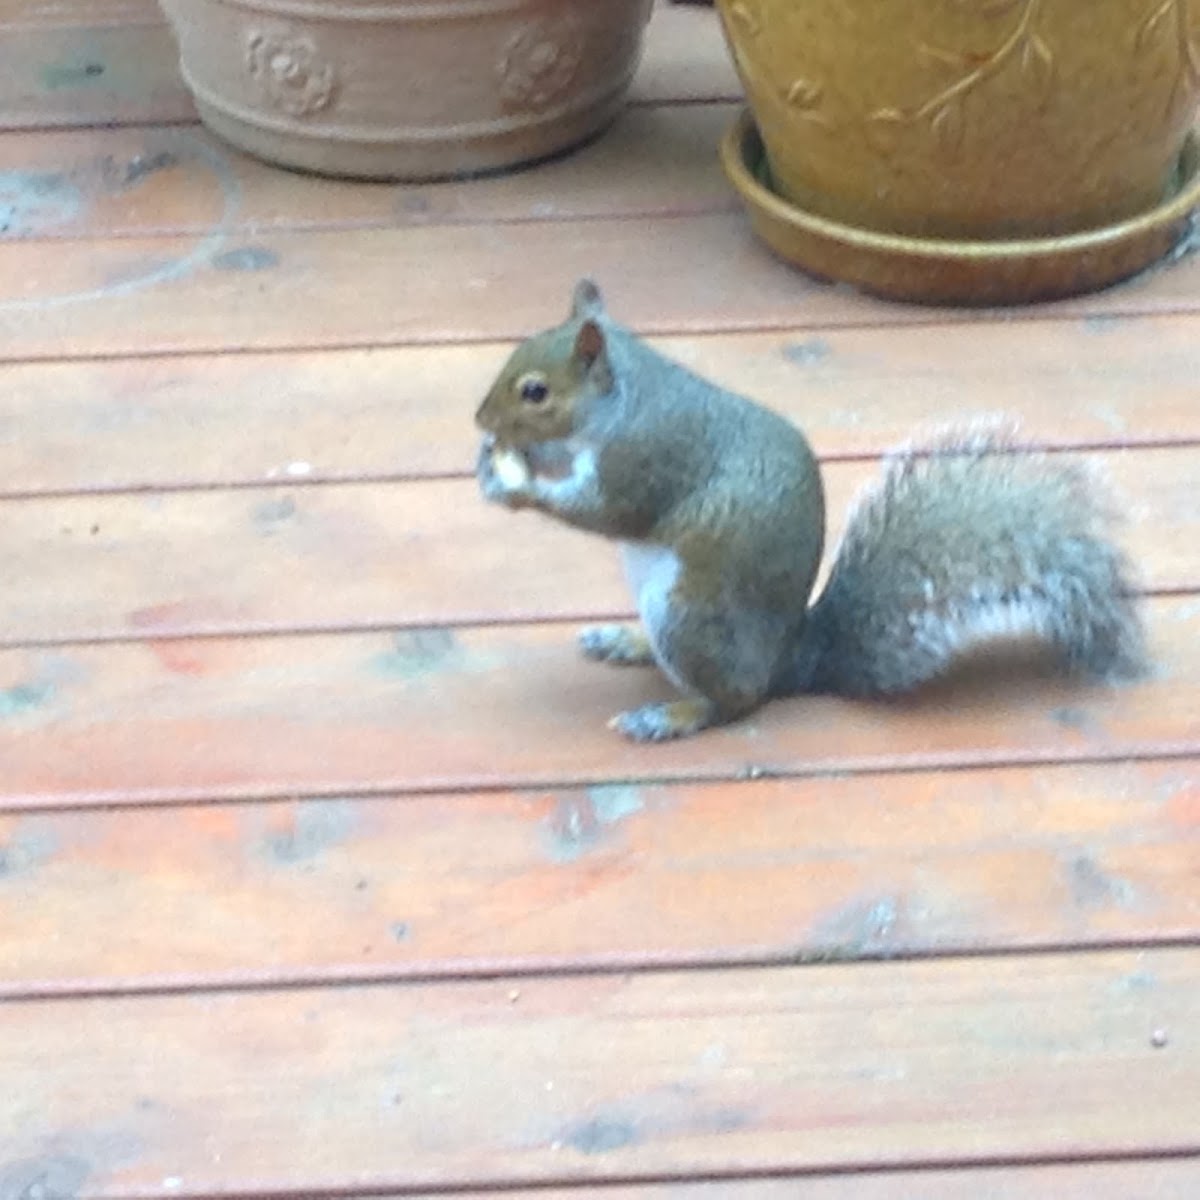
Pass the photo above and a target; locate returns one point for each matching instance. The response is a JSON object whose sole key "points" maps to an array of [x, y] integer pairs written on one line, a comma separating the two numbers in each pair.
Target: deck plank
{"points": [[609, 877], [402, 554], [445, 284], [77, 74], [613, 1077], [167, 721], [53, 14], [168, 180], [401, 412], [1147, 1179], [382, 907]]}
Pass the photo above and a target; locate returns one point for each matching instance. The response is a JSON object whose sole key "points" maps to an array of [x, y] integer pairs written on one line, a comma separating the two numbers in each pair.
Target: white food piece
{"points": [[511, 468]]}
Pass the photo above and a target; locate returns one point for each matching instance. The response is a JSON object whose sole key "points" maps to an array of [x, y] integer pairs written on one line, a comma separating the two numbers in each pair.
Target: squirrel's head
{"points": [[547, 382]]}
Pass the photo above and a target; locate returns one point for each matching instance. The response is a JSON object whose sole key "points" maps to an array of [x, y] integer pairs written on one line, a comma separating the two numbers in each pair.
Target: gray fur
{"points": [[962, 540], [620, 645]]}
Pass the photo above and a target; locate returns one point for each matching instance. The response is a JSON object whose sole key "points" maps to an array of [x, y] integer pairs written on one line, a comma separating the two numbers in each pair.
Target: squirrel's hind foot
{"points": [[620, 645], [663, 722]]}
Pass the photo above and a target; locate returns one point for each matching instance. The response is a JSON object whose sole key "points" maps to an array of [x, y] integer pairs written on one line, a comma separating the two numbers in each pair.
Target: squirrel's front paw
{"points": [[621, 645], [661, 722], [504, 476]]}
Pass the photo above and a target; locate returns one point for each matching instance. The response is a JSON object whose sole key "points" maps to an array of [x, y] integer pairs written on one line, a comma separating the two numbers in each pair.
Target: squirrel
{"points": [[718, 506]]}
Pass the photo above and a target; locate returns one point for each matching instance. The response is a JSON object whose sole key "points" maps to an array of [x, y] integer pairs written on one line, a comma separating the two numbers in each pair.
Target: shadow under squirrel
{"points": [[719, 509]]}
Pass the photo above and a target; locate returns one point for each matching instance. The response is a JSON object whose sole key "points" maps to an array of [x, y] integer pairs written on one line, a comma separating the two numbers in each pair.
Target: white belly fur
{"points": [[652, 572]]}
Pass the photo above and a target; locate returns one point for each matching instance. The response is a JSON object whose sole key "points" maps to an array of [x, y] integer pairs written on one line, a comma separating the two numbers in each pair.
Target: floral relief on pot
{"points": [[290, 72], [539, 63], [407, 89]]}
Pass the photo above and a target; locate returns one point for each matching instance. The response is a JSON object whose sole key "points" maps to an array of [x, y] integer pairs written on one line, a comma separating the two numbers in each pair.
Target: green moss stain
{"points": [[58, 76], [416, 653], [24, 699]]}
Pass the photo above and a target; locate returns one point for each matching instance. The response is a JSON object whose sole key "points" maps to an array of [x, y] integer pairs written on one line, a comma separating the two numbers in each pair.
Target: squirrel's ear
{"points": [[589, 343], [591, 352], [587, 301]]}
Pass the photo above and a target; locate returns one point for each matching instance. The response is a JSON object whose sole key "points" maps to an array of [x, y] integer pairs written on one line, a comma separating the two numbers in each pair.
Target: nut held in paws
{"points": [[511, 468]]}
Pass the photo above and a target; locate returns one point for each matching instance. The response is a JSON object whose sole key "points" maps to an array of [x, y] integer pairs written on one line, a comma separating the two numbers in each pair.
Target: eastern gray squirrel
{"points": [[719, 508]]}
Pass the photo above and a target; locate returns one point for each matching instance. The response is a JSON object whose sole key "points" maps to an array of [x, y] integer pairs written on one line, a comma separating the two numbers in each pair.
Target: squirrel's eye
{"points": [[534, 390]]}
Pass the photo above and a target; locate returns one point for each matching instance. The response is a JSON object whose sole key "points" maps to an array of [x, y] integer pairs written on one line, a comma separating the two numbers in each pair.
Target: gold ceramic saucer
{"points": [[936, 271]]}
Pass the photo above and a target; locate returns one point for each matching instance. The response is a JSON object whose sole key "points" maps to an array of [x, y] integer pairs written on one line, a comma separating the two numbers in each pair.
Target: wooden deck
{"points": [[320, 873]]}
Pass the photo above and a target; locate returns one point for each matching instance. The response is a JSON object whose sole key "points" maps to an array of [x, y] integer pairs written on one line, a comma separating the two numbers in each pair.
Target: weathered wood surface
{"points": [[612, 876], [406, 411], [1162, 1180], [612, 1076], [174, 294], [319, 871], [403, 554], [435, 710], [144, 180]]}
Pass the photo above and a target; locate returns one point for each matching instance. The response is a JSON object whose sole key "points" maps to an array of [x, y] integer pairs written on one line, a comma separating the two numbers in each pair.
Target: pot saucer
{"points": [[937, 271]]}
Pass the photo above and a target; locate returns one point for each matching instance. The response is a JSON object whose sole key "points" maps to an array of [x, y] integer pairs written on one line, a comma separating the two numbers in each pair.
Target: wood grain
{"points": [[402, 554], [439, 710], [614, 1077], [72, 74], [135, 181], [613, 876], [406, 411], [385, 910], [1147, 1179], [66, 14], [173, 294]]}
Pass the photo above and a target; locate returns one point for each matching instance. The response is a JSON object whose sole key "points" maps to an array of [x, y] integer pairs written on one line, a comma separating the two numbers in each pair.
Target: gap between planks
{"points": [[378, 289], [518, 970], [1099, 1178], [612, 877], [274, 419], [318, 479], [140, 182], [117, 569], [517, 707], [822, 1068], [16, 804]]}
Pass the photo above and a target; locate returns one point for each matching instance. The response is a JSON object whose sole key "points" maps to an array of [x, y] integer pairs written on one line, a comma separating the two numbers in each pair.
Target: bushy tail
{"points": [[965, 539]]}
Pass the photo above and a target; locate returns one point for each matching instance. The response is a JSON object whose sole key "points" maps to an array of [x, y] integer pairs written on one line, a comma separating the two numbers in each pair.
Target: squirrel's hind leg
{"points": [[620, 645], [723, 663], [662, 722]]}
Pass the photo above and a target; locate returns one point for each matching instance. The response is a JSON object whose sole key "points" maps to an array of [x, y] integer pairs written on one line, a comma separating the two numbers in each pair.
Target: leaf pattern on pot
{"points": [[806, 98], [746, 18], [1021, 51], [884, 129], [1037, 62], [949, 126], [939, 56], [944, 113], [1167, 18], [989, 8]]}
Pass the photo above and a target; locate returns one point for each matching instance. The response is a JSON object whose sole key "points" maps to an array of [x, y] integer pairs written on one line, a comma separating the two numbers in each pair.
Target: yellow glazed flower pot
{"points": [[974, 121]]}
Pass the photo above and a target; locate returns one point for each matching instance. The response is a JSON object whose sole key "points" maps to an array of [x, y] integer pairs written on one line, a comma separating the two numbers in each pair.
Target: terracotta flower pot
{"points": [[411, 89], [982, 121]]}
